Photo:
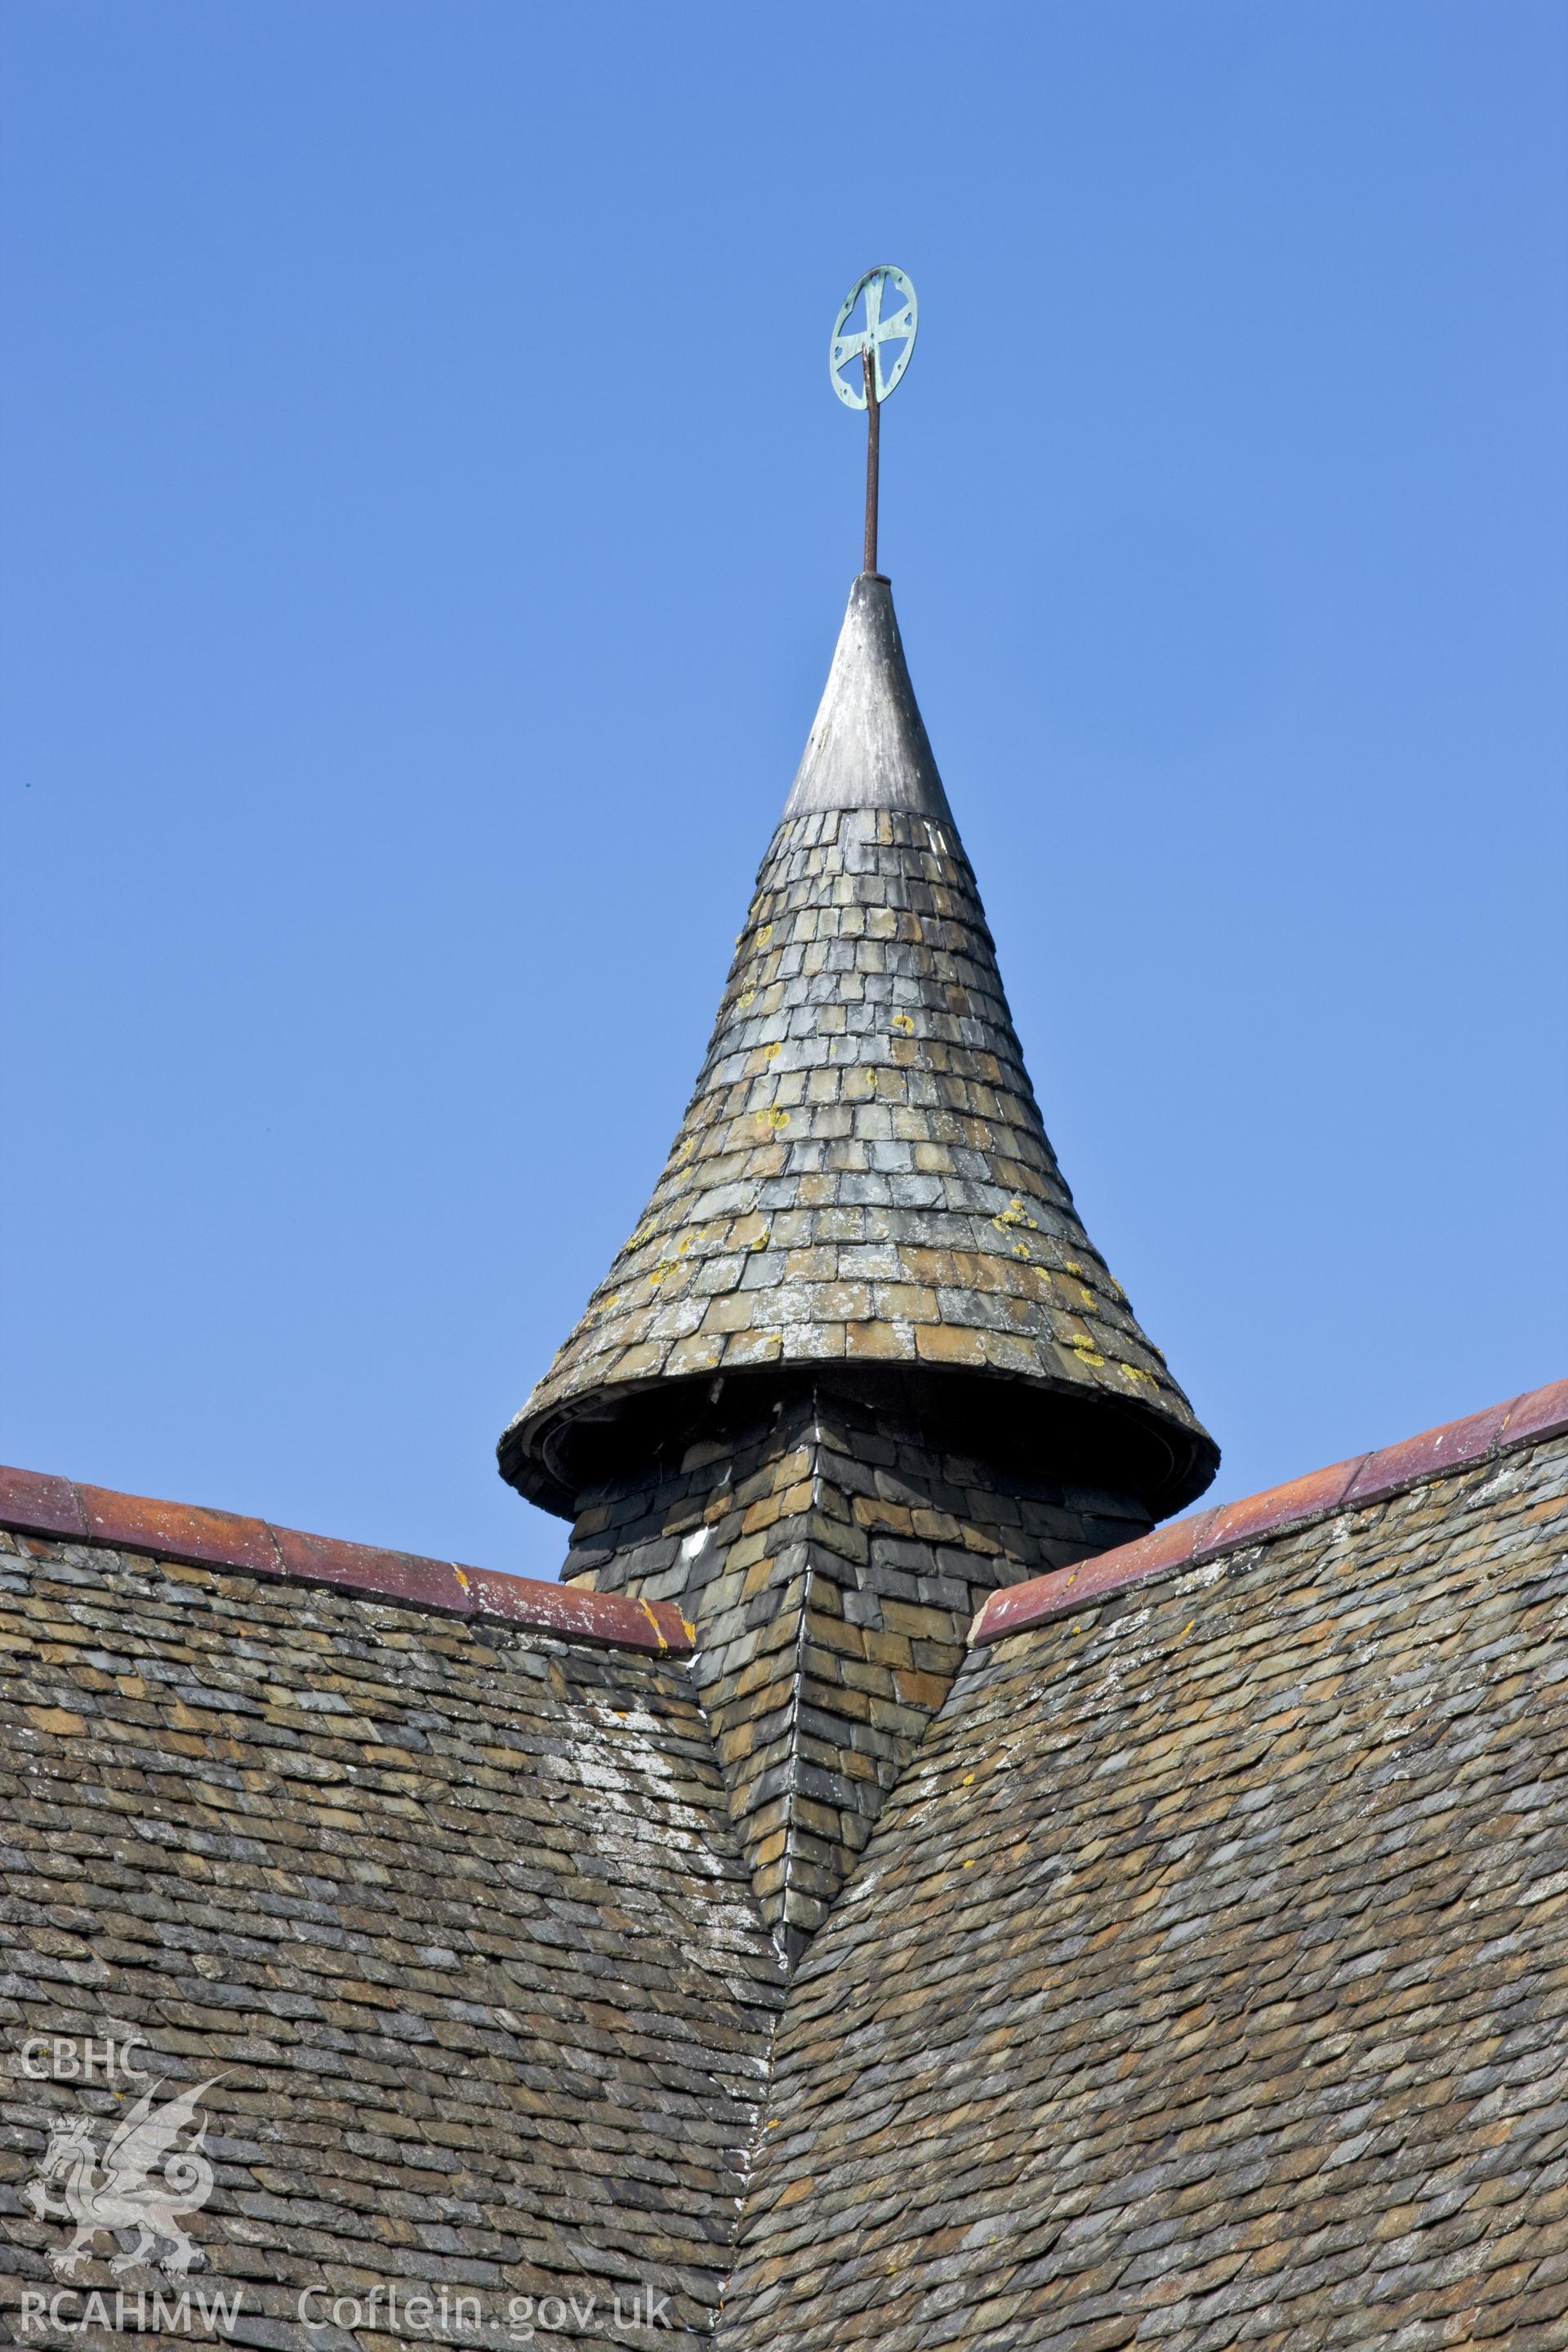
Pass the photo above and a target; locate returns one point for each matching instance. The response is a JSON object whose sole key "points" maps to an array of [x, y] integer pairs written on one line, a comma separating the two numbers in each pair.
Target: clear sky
{"points": [[428, 523]]}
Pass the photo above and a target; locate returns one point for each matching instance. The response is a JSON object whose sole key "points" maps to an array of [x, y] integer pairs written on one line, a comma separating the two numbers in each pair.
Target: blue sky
{"points": [[428, 523]]}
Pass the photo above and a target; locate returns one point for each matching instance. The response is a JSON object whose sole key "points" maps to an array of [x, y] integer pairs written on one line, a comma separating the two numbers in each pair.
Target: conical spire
{"points": [[862, 1190]]}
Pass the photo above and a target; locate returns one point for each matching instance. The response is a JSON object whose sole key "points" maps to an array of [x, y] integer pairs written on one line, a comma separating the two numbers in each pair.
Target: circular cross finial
{"points": [[883, 287]]}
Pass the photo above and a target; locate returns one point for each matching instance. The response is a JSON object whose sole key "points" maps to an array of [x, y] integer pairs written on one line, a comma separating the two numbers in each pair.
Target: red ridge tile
{"points": [[1319, 1492], [35, 1504], [1017, 1608], [1449, 1447], [1542, 1414], [572, 1610], [363, 1568], [178, 1531]]}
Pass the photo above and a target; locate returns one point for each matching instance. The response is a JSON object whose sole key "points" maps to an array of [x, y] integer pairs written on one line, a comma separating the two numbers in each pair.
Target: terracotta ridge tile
{"points": [[1278, 1510], [178, 1531], [36, 1504], [33, 1503]]}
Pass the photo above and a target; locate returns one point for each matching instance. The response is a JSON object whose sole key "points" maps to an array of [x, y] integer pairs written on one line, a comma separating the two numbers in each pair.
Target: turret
{"points": [[859, 1363]]}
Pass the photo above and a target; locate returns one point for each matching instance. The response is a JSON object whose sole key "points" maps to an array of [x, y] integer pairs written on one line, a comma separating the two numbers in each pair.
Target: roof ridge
{"points": [[1276, 1510], [35, 1503]]}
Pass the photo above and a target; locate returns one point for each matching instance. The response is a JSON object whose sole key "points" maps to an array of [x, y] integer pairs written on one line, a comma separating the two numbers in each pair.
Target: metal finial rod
{"points": [[873, 458], [874, 345]]}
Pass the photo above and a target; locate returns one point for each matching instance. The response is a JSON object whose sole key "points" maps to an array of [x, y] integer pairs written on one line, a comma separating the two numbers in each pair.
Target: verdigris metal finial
{"points": [[870, 345], [852, 343]]}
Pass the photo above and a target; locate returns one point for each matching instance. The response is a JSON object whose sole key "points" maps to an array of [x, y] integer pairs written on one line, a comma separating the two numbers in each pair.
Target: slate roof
{"points": [[1206, 1979], [862, 1181], [451, 1904]]}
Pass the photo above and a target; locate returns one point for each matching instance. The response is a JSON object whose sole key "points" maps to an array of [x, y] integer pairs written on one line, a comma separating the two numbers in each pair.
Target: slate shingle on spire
{"points": [[862, 1184]]}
